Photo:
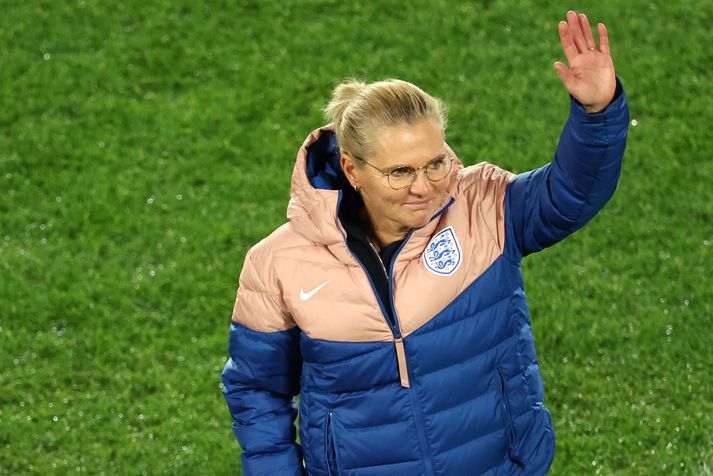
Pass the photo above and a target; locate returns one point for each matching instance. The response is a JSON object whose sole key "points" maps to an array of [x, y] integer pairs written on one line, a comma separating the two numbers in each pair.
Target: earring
{"points": [[356, 188]]}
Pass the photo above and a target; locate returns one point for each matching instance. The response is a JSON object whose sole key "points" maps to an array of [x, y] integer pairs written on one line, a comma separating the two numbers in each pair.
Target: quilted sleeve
{"points": [[261, 378], [547, 204]]}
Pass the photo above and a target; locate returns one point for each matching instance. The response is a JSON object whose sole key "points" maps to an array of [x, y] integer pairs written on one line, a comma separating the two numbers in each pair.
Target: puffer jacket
{"points": [[452, 386]]}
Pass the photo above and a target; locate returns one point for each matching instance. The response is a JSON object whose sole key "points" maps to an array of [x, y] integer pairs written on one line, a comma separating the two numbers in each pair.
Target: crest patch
{"points": [[442, 255]]}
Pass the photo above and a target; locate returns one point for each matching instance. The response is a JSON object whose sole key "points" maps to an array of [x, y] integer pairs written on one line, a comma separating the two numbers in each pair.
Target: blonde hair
{"points": [[358, 109]]}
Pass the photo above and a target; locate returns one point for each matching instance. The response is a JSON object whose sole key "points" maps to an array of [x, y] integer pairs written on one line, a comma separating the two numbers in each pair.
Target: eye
{"points": [[401, 172], [436, 164]]}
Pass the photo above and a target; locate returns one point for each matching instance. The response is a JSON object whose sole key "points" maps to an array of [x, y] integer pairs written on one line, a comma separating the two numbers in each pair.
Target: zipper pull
{"points": [[401, 358]]}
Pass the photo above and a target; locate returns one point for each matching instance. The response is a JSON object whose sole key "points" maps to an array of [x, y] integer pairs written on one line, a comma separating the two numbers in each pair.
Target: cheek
{"points": [[388, 201], [441, 185], [395, 199], [440, 189]]}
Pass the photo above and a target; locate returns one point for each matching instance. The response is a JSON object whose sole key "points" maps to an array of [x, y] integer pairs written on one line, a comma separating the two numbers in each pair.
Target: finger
{"points": [[576, 31], [587, 32], [570, 50], [603, 38], [565, 75]]}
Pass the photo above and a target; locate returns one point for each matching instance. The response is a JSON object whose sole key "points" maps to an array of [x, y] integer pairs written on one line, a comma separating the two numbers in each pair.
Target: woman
{"points": [[392, 301]]}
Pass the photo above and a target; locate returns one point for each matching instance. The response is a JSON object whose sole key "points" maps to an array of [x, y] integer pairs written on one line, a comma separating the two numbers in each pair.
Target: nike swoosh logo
{"points": [[305, 296]]}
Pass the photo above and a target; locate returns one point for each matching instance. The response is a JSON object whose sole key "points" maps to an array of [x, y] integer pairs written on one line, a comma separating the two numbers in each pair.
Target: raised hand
{"points": [[590, 75]]}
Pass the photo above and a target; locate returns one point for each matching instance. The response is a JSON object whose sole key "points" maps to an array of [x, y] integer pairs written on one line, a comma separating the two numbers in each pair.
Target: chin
{"points": [[417, 220]]}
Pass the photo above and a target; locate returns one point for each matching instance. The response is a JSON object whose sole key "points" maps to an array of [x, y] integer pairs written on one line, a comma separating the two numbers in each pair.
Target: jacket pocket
{"points": [[509, 423], [330, 450]]}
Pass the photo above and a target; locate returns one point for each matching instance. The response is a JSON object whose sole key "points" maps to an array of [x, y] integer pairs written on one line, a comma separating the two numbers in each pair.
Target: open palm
{"points": [[590, 75]]}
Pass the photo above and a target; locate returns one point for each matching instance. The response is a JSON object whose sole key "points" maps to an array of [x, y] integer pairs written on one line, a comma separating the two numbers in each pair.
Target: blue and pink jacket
{"points": [[450, 385]]}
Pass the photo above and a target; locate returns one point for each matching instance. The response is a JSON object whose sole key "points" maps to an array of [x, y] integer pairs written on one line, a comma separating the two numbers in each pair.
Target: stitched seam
{"points": [[465, 316], [439, 412], [351, 392], [384, 425], [596, 177], [483, 436], [474, 440], [248, 289], [349, 359], [384, 464], [474, 357]]}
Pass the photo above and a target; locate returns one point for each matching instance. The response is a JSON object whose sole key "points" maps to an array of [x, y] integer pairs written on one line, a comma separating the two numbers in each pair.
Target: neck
{"points": [[384, 235]]}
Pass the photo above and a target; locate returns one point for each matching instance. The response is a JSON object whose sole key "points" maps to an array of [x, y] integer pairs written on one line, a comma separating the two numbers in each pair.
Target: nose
{"points": [[421, 185]]}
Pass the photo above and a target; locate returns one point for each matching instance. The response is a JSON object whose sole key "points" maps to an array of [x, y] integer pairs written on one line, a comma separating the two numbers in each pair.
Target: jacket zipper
{"points": [[403, 368], [330, 450], [506, 408], [396, 330], [398, 341], [401, 355], [509, 424]]}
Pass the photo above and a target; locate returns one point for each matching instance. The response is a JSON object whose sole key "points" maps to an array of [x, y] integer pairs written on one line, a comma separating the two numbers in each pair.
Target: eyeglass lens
{"points": [[435, 170]]}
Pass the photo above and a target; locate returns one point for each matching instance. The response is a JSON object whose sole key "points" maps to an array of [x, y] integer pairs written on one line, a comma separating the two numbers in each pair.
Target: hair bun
{"points": [[342, 97]]}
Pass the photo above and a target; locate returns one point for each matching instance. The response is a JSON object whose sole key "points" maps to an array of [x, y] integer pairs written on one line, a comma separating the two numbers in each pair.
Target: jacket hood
{"points": [[315, 191], [318, 184]]}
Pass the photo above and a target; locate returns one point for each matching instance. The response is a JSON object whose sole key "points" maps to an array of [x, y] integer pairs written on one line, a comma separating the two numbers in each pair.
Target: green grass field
{"points": [[145, 146]]}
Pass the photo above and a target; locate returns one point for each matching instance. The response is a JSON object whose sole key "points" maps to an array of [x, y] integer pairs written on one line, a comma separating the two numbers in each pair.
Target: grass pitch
{"points": [[145, 146]]}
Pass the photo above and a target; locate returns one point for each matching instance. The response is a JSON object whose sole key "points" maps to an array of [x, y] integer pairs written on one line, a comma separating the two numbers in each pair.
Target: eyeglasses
{"points": [[403, 176]]}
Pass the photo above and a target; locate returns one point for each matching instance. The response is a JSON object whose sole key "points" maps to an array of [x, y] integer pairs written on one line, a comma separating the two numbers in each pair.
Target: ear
{"points": [[349, 169]]}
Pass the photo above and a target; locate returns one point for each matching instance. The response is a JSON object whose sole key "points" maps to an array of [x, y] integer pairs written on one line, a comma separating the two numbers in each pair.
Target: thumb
{"points": [[565, 75]]}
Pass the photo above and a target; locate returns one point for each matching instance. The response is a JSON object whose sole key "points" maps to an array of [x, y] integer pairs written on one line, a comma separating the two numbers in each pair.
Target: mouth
{"points": [[419, 204]]}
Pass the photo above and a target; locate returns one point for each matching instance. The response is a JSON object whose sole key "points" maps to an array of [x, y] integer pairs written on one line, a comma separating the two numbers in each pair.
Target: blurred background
{"points": [[146, 145]]}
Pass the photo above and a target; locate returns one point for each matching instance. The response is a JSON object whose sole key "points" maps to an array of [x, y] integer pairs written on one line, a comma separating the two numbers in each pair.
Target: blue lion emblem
{"points": [[442, 255]]}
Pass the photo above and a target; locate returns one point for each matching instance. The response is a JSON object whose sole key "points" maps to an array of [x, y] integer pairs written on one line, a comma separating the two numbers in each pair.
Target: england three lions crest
{"points": [[442, 255]]}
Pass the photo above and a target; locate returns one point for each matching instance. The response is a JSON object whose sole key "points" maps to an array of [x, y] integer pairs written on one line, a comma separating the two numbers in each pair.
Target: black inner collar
{"points": [[376, 264]]}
